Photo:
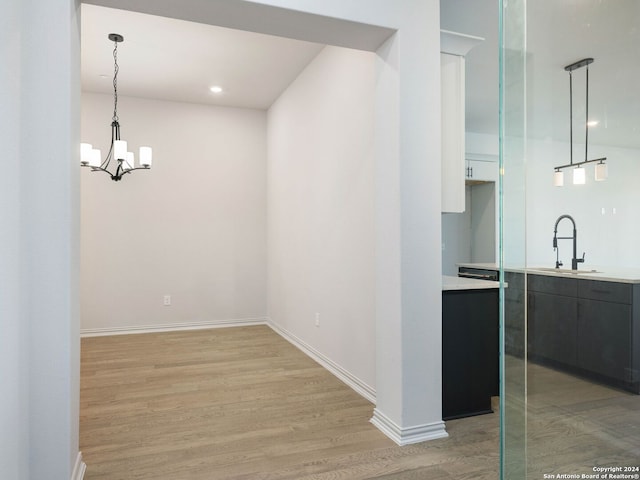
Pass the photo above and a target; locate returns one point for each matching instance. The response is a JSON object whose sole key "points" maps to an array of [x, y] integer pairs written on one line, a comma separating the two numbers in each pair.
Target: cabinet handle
{"points": [[479, 275]]}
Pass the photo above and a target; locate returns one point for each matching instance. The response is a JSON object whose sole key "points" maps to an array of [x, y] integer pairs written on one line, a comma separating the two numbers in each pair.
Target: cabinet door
{"points": [[482, 171], [604, 338], [470, 351], [452, 118], [553, 327]]}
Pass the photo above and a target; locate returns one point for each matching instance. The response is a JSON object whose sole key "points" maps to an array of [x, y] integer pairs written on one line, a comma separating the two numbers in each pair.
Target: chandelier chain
{"points": [[116, 68]]}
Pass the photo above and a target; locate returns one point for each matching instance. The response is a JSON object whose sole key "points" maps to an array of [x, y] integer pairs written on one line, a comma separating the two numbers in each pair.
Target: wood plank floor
{"points": [[242, 403], [574, 425]]}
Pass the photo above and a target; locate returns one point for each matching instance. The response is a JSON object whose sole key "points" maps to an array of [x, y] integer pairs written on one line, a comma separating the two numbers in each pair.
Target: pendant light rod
{"points": [[577, 164], [586, 113], [570, 116], [585, 62]]}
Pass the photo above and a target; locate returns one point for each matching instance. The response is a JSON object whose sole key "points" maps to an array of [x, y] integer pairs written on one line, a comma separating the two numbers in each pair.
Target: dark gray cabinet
{"points": [[553, 318], [604, 337], [553, 321], [470, 353], [586, 327], [605, 329]]}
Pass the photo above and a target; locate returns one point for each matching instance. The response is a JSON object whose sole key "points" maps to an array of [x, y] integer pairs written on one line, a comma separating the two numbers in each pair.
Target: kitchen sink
{"points": [[565, 271]]}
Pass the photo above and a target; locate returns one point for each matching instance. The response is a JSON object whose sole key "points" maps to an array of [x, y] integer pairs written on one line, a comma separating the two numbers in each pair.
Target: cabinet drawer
{"points": [[567, 287], [605, 291]]}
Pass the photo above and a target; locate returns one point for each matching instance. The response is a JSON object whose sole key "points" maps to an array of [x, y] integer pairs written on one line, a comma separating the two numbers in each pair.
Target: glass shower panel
{"points": [[570, 404], [512, 200]]}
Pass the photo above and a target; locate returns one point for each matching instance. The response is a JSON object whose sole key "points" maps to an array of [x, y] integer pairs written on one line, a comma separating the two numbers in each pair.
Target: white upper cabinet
{"points": [[481, 168], [453, 48]]}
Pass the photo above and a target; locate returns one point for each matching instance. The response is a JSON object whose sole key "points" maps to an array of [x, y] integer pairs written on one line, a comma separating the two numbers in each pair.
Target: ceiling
{"points": [[177, 60], [166, 58], [558, 33]]}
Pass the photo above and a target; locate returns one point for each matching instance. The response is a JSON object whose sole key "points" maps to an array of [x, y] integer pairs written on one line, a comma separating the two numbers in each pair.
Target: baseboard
{"points": [[345, 376], [79, 468], [173, 327], [408, 435]]}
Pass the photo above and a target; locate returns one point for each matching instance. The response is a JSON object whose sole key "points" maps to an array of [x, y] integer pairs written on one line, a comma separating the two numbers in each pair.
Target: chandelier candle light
{"points": [[579, 176], [90, 157]]}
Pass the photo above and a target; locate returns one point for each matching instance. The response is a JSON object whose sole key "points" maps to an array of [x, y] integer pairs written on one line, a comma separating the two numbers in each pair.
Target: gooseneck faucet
{"points": [[575, 260]]}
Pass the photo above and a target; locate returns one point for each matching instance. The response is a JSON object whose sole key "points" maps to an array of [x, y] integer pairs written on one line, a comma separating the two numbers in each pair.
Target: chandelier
{"points": [[118, 153]]}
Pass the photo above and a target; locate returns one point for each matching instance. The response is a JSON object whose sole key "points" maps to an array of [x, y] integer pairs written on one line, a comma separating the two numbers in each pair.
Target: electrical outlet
{"points": [[167, 300], [317, 319]]}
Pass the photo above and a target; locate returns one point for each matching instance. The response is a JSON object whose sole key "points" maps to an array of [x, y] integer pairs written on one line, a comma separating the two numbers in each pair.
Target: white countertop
{"points": [[604, 274], [461, 283]]}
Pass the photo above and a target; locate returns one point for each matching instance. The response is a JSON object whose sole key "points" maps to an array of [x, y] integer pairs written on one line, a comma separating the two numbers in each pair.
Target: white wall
{"points": [[456, 237], [14, 340], [39, 342], [609, 239], [321, 209], [192, 227]]}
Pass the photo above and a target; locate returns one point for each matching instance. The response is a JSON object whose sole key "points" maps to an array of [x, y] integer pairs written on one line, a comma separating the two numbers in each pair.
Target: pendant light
{"points": [[91, 157], [601, 172], [579, 173], [579, 176], [558, 178]]}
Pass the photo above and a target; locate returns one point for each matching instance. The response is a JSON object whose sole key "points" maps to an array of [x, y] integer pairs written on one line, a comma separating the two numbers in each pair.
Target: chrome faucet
{"points": [[575, 260]]}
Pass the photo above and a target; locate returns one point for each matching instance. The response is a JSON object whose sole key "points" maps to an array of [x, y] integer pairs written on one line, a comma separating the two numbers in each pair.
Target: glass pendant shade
{"points": [[129, 161], [145, 156], [119, 149], [558, 179], [94, 158], [601, 172], [85, 153], [579, 176]]}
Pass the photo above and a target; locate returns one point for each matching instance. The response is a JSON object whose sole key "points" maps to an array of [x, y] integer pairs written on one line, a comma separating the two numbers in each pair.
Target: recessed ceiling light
{"points": [[216, 89]]}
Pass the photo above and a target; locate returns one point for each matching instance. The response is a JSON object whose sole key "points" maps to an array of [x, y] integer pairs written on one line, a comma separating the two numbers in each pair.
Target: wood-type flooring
{"points": [[242, 403]]}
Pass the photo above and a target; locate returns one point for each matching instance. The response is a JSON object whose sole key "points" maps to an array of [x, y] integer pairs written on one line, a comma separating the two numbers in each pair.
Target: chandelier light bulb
{"points": [[558, 178], [120, 150], [579, 176], [129, 161], [601, 172], [95, 158], [146, 155], [85, 153]]}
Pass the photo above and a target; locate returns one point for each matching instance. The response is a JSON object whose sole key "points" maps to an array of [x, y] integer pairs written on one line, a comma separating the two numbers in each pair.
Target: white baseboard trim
{"points": [[79, 468], [345, 376], [172, 327], [408, 435]]}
